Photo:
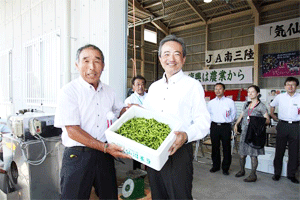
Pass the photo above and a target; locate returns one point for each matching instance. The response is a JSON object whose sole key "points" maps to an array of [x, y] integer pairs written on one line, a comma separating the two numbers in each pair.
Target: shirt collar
{"points": [[295, 94], [87, 85], [175, 78], [222, 98]]}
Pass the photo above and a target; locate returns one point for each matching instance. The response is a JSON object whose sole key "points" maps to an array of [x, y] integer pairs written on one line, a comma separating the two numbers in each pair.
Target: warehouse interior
{"points": [[38, 44]]}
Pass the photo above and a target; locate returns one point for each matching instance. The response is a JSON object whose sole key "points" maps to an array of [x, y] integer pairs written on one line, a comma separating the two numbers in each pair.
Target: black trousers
{"points": [[174, 180], [221, 133], [287, 134], [83, 168]]}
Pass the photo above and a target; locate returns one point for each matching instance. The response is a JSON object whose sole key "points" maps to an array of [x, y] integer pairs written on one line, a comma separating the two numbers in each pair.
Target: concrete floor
{"points": [[208, 185]]}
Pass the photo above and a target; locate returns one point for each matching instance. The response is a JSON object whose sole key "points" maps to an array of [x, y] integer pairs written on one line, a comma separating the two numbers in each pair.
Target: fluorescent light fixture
{"points": [[207, 1]]}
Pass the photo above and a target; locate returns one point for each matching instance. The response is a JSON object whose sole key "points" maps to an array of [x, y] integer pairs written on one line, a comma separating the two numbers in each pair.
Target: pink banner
{"points": [[281, 64]]}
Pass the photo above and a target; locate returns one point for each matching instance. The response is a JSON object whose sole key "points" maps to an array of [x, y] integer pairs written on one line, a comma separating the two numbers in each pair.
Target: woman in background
{"points": [[254, 107]]}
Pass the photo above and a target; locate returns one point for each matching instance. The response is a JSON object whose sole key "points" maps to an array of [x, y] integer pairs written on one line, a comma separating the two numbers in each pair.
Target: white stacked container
{"points": [[139, 152], [265, 162]]}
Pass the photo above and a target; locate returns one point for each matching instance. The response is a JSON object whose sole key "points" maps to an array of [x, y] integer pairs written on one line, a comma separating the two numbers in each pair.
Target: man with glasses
{"points": [[287, 129]]}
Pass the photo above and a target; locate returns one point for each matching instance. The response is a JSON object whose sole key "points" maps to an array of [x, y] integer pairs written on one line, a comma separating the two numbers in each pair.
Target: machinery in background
{"points": [[32, 156], [31, 125]]}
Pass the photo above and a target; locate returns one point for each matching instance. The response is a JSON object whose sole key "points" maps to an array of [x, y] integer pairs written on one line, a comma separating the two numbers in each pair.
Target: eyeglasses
{"points": [[292, 85]]}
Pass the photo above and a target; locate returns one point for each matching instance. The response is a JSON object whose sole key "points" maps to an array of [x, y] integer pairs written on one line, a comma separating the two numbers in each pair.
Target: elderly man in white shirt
{"points": [[287, 129], [138, 86], [81, 113], [222, 112], [183, 97]]}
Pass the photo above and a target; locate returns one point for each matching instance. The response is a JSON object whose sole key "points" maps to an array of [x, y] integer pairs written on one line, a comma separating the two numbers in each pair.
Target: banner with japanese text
{"points": [[282, 30], [232, 55], [281, 64], [236, 75]]}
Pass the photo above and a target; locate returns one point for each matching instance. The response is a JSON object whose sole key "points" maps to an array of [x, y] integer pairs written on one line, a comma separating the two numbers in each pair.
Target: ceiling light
{"points": [[207, 1]]}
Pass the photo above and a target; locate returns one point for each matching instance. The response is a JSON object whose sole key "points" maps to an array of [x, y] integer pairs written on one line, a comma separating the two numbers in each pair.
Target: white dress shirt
{"points": [[80, 104], [183, 98], [222, 110], [288, 107], [135, 98]]}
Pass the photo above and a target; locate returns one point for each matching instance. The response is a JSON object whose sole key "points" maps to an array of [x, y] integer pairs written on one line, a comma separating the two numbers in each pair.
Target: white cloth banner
{"points": [[237, 75], [232, 55], [277, 31]]}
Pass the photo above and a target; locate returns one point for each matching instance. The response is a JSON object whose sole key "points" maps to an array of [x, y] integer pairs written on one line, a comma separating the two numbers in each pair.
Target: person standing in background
{"points": [[222, 112], [137, 98], [251, 108], [138, 87], [287, 129]]}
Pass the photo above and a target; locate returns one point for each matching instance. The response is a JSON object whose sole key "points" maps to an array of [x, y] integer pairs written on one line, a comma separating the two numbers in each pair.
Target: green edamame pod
{"points": [[149, 132]]}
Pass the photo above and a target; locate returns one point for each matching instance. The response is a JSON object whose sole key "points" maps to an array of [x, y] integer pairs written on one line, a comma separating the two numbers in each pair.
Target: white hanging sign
{"points": [[232, 55], [236, 75], [277, 31]]}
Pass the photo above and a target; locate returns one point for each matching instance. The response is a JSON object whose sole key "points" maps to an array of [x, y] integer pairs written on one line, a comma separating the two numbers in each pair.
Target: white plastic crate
{"points": [[139, 152], [265, 162]]}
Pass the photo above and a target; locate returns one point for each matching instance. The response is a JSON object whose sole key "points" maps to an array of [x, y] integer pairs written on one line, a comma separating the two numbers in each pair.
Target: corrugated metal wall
{"points": [[234, 33]]}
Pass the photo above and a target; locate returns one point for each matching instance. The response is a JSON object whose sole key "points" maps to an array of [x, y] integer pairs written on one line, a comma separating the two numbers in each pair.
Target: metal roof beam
{"points": [[278, 5], [273, 6], [253, 6], [139, 7], [157, 23], [196, 10], [218, 19], [156, 4]]}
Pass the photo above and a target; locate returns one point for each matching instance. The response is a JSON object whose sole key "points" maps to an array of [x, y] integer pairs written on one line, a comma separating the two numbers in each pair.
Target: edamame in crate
{"points": [[148, 132], [135, 145]]}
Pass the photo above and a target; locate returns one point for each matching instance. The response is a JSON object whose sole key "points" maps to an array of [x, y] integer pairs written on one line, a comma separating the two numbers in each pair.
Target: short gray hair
{"points": [[172, 38], [86, 47]]}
